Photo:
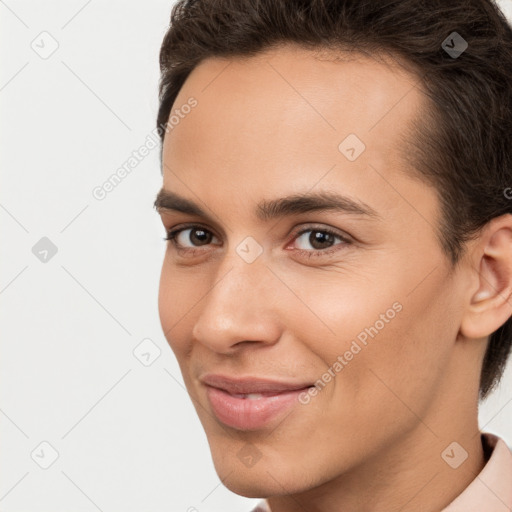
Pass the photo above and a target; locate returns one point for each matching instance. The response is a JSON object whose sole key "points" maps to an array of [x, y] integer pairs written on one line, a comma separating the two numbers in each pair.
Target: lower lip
{"points": [[248, 414]]}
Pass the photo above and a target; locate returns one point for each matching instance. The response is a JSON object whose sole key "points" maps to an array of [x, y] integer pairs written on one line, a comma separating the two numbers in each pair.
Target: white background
{"points": [[127, 434]]}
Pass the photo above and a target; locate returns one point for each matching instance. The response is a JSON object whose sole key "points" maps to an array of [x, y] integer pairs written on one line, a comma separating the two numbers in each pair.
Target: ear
{"points": [[490, 300]]}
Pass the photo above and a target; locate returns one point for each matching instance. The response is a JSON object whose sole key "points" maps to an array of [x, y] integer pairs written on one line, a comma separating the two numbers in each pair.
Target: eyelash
{"points": [[172, 235]]}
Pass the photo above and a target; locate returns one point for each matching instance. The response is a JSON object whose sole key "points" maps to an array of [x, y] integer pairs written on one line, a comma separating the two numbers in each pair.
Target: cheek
{"points": [[175, 300], [389, 338], [165, 298], [423, 342], [403, 361], [339, 307]]}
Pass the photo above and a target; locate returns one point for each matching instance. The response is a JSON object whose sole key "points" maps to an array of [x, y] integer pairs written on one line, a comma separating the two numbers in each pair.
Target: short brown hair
{"points": [[463, 143]]}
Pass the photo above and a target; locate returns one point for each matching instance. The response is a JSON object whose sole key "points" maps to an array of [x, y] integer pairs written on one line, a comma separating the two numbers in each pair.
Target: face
{"points": [[354, 302]]}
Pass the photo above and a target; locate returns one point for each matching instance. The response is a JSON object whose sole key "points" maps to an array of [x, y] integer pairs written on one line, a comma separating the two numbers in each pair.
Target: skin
{"points": [[372, 438]]}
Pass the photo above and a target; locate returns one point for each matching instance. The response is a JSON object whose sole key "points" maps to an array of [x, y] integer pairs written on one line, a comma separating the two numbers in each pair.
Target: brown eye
{"points": [[320, 239], [196, 236], [320, 242]]}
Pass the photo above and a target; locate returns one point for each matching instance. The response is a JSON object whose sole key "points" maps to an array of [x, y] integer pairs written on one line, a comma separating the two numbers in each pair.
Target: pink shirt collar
{"points": [[490, 491]]}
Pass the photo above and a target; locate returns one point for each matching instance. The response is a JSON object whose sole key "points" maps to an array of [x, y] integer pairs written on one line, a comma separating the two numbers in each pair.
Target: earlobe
{"points": [[481, 295], [488, 281], [490, 306]]}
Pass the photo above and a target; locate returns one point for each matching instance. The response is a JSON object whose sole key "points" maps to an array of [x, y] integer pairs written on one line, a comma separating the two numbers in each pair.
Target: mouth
{"points": [[250, 403], [252, 385]]}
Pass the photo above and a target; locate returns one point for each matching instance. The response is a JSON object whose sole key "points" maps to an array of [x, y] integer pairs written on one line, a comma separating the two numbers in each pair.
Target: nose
{"points": [[240, 307]]}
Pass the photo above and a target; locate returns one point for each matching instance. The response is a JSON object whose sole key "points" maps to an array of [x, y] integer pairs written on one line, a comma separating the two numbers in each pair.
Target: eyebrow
{"points": [[267, 210]]}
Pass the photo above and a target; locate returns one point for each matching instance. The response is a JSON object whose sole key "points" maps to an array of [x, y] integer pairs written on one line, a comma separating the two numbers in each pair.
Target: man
{"points": [[338, 277]]}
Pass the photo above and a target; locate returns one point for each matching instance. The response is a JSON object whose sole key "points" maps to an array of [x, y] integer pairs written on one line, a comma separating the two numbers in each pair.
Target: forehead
{"points": [[285, 118]]}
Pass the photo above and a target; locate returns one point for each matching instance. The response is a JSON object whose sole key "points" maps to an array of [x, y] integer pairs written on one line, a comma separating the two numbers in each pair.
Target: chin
{"points": [[250, 486], [247, 489], [259, 481]]}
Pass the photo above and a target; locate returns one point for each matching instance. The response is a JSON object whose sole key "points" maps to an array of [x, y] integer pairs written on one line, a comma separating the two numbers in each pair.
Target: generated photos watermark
{"points": [[151, 142], [356, 346]]}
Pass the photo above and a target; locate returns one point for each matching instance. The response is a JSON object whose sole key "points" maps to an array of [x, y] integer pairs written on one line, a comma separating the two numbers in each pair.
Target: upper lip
{"points": [[245, 385]]}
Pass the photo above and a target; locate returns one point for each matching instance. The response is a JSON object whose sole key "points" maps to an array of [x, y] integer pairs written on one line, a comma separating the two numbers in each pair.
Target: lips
{"points": [[250, 403], [252, 385]]}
